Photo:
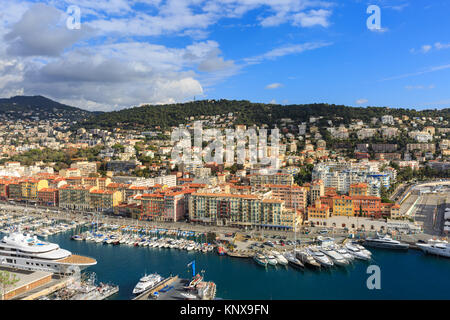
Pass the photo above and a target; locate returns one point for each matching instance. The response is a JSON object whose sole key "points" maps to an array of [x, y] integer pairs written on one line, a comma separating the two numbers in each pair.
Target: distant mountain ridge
{"points": [[39, 107], [165, 116]]}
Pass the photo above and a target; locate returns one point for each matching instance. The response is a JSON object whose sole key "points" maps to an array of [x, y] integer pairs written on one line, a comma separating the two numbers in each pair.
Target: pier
{"points": [[148, 293]]}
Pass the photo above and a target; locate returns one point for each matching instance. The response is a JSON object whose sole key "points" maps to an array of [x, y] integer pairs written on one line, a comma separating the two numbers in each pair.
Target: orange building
{"points": [[48, 197], [318, 211], [358, 189], [367, 206], [294, 196]]}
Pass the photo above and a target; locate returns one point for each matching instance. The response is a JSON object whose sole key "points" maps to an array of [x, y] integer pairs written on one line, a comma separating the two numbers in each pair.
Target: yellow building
{"points": [[358, 189], [30, 188], [343, 206], [104, 199], [318, 210]]}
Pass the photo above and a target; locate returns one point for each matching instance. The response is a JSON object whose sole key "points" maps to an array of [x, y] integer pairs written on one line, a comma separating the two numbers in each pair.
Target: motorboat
{"points": [[271, 259], [356, 252], [336, 257], [281, 260], [293, 261], [436, 247], [260, 259], [385, 242], [320, 257], [147, 282], [307, 259]]}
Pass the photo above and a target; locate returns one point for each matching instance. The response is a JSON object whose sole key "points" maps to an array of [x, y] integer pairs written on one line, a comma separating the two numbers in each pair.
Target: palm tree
{"points": [[7, 280]]}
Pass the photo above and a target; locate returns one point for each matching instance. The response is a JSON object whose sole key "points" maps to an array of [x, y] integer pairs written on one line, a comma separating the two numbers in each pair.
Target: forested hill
{"points": [[149, 116], [39, 108]]}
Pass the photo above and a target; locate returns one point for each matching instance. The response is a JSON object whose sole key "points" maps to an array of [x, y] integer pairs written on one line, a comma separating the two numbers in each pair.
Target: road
{"points": [[429, 211]]}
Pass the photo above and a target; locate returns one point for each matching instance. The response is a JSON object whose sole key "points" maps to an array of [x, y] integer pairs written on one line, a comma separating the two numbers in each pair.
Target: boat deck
{"points": [[76, 259]]}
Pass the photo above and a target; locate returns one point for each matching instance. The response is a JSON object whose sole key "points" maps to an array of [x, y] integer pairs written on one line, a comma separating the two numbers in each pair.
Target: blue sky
{"points": [[283, 51]]}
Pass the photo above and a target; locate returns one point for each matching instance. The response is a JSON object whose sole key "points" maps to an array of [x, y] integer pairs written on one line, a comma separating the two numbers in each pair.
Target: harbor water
{"points": [[404, 275]]}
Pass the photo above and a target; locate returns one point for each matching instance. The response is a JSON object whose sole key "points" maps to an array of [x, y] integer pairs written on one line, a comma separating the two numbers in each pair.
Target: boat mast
{"points": [[295, 227]]}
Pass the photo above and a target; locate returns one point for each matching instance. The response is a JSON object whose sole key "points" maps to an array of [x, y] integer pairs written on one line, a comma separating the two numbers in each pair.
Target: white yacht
{"points": [[385, 242], [146, 282], [271, 259], [320, 257], [281, 260], [25, 252], [344, 253], [436, 247], [336, 257], [362, 249], [356, 252]]}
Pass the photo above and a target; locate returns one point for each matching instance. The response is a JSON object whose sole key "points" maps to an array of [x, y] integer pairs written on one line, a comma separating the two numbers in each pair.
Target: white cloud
{"points": [[362, 101], [274, 86], [440, 46], [419, 87], [425, 48], [398, 7], [312, 18], [287, 50], [427, 70], [42, 31], [103, 66]]}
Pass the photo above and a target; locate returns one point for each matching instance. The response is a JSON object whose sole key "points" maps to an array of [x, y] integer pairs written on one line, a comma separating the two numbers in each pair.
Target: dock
{"points": [[166, 282], [175, 288]]}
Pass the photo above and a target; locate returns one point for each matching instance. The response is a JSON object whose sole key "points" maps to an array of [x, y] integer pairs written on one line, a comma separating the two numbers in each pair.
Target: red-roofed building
{"points": [[366, 206], [165, 205], [318, 210], [48, 197]]}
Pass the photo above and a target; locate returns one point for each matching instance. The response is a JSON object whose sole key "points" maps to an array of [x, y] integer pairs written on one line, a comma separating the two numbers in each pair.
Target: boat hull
{"points": [[402, 246]]}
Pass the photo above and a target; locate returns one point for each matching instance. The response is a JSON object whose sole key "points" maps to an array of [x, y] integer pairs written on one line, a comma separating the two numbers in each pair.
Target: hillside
{"points": [[149, 116], [39, 108]]}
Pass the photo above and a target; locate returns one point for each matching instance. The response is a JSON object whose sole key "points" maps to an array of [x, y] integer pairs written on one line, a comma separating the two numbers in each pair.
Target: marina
{"points": [[295, 270]]}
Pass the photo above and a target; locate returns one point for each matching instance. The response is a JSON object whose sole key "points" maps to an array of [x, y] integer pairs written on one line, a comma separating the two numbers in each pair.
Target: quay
{"points": [[175, 288], [33, 285], [166, 282]]}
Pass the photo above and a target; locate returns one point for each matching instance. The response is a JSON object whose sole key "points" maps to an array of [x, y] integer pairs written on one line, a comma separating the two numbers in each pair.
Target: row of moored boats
{"points": [[144, 241], [315, 256]]}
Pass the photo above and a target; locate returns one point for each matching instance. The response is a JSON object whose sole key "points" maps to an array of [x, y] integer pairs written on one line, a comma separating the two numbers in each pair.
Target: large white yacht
{"points": [[22, 251], [436, 247], [385, 242], [146, 282], [335, 256]]}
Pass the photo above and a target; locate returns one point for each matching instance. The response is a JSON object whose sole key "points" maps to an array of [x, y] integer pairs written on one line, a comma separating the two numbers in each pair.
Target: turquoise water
{"points": [[404, 275]]}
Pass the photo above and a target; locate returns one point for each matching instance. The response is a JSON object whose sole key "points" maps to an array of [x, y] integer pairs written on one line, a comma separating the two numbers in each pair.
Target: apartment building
{"points": [[294, 196], [358, 189], [31, 186], [101, 200], [241, 211], [86, 168], [48, 197], [259, 180], [168, 205], [317, 190], [75, 197], [318, 210], [343, 206]]}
